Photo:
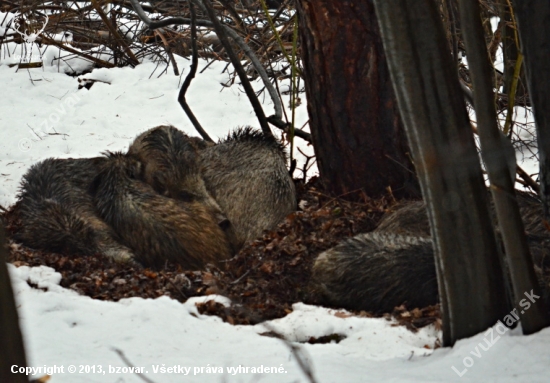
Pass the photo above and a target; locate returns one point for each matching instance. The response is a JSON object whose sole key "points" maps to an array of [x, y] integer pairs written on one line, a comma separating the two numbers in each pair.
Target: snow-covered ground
{"points": [[171, 342], [43, 114]]}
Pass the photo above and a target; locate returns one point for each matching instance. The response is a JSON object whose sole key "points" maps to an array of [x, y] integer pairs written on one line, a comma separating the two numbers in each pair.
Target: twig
{"points": [[338, 197], [299, 353], [240, 278], [222, 35], [129, 364], [517, 69], [293, 93], [275, 16], [234, 14], [278, 36], [118, 40], [285, 127], [467, 93], [277, 105], [306, 166], [512, 96], [166, 22], [528, 180], [78, 53], [469, 96], [168, 52], [190, 76], [206, 66]]}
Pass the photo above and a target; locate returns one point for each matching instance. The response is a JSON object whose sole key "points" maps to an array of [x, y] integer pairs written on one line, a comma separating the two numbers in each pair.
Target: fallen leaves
{"points": [[263, 280]]}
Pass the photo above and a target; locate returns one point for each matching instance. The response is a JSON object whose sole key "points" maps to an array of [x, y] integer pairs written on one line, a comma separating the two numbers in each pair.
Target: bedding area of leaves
{"points": [[263, 280]]}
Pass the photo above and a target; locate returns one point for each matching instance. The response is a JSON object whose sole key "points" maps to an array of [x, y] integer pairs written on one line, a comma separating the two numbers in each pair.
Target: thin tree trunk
{"points": [[470, 278], [522, 272], [12, 351], [533, 18], [357, 133]]}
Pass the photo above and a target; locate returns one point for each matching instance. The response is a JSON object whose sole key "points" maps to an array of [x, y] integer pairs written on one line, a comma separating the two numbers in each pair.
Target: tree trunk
{"points": [[533, 18], [470, 277], [357, 133], [518, 256], [12, 351]]}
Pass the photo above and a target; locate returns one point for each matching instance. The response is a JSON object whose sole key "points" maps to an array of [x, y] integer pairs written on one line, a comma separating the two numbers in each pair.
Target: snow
{"points": [[62, 328], [44, 114]]}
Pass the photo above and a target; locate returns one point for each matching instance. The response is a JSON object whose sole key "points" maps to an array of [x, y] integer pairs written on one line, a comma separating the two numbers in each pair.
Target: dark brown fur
{"points": [[395, 264], [171, 166], [410, 218], [58, 214], [155, 227], [376, 272], [246, 174]]}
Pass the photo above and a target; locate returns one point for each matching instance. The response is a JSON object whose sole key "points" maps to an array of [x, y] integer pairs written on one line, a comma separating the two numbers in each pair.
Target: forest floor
{"points": [[263, 280]]}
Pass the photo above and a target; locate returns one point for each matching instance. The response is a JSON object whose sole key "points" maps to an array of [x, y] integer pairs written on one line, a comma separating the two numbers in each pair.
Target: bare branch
{"points": [[528, 180], [277, 105], [99, 62], [112, 28], [285, 126], [164, 23], [234, 14], [469, 97], [168, 52], [222, 35], [191, 75], [275, 119]]}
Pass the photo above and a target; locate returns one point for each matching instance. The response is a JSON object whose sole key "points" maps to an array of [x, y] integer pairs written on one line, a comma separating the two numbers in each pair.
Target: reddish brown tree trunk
{"points": [[357, 133]]}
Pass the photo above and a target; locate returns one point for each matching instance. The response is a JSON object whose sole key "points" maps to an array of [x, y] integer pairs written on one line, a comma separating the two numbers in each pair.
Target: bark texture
{"points": [[518, 257], [357, 133], [470, 277], [533, 18]]}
